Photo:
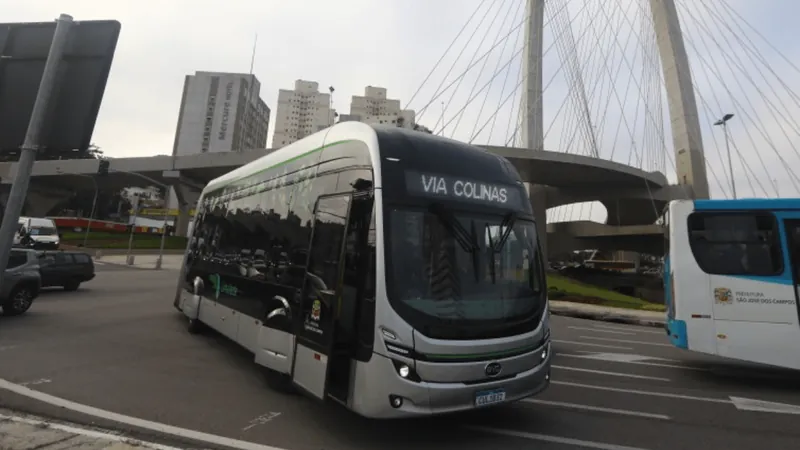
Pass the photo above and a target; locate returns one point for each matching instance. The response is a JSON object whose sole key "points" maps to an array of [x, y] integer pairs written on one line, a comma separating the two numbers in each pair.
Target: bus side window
{"points": [[736, 244]]}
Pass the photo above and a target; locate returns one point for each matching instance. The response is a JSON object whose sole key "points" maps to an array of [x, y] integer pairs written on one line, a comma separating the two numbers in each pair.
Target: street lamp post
{"points": [[94, 204], [159, 260], [724, 123]]}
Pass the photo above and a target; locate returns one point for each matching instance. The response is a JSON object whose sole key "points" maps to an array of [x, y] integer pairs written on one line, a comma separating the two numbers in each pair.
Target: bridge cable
{"points": [[466, 44], [427, 77], [486, 60], [523, 79], [745, 111], [496, 69]]}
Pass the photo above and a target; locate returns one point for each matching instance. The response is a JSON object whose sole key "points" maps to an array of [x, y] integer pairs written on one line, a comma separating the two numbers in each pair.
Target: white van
{"points": [[42, 231]]}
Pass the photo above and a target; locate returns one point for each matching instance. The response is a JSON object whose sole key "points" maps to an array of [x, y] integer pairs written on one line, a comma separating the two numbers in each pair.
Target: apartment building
{"points": [[301, 112]]}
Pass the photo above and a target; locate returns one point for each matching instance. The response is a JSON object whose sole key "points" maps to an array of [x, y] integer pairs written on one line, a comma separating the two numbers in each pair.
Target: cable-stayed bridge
{"points": [[607, 107], [648, 84]]}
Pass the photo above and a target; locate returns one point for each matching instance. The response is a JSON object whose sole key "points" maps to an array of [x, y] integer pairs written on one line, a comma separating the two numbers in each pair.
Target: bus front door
{"points": [[315, 326], [792, 227]]}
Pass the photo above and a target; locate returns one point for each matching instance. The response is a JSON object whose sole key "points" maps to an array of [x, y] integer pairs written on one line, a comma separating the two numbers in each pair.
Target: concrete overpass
{"points": [[631, 196]]}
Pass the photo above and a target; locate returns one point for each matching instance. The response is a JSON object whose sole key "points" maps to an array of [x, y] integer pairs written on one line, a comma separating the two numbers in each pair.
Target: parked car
{"points": [[37, 233], [21, 282], [65, 268]]}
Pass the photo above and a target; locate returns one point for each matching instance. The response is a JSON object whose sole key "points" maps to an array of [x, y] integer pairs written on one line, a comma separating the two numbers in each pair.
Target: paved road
{"points": [[119, 345]]}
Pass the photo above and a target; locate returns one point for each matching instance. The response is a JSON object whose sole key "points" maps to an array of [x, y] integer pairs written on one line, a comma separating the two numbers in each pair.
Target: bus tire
{"points": [[280, 382], [195, 326]]}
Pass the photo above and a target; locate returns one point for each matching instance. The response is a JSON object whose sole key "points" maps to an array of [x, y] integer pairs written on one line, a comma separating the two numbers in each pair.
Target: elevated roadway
{"points": [[631, 196]]}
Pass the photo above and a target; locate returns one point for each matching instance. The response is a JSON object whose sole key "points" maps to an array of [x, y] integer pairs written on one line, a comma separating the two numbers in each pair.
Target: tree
{"points": [[94, 151], [422, 128], [414, 126]]}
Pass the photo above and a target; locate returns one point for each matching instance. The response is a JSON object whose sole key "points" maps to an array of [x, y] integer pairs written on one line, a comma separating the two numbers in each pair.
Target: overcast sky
{"points": [[353, 43]]}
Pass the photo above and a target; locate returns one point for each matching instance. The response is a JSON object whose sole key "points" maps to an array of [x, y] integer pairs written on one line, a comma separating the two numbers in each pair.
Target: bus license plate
{"points": [[490, 397]]}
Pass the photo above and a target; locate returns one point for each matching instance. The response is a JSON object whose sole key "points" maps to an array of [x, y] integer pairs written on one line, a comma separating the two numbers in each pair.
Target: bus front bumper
{"points": [[395, 397]]}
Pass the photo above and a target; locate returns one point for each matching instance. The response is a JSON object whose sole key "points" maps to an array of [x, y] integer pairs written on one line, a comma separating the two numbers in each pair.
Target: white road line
{"points": [[638, 363], [624, 412], [742, 404], [552, 439], [86, 432], [632, 328], [133, 421], [640, 392], [598, 330], [626, 341], [588, 344], [613, 374]]}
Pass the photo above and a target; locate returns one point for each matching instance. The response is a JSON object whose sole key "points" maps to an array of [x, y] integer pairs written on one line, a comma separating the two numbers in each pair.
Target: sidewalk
{"points": [[169, 262], [23, 432], [603, 313]]}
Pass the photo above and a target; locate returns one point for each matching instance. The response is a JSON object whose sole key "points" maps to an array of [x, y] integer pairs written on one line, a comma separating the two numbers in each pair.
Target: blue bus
{"points": [[732, 279]]}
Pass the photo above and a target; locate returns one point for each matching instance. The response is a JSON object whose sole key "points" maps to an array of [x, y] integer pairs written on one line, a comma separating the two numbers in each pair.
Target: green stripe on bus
{"points": [[303, 155], [483, 355]]}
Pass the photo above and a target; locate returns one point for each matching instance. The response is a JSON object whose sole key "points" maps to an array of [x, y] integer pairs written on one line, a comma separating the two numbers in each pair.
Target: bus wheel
{"points": [[195, 326], [280, 382]]}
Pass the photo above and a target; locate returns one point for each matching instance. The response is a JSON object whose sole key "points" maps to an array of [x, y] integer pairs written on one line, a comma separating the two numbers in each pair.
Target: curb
{"points": [[607, 317]]}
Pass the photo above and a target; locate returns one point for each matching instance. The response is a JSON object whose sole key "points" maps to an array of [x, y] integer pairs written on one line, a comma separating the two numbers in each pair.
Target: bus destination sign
{"points": [[460, 189]]}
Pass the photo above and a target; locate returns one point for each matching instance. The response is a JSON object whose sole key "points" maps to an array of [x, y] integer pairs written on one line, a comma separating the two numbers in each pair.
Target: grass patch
{"points": [[120, 240], [571, 290]]}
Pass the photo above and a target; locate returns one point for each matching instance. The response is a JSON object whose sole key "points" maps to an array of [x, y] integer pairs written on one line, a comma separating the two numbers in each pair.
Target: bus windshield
{"points": [[451, 268]]}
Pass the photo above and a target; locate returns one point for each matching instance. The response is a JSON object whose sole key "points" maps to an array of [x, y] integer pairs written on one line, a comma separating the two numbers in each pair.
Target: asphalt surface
{"points": [[118, 344]]}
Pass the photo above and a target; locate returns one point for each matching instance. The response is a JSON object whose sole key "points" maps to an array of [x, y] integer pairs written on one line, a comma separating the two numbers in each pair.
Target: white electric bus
{"points": [[732, 279], [392, 271]]}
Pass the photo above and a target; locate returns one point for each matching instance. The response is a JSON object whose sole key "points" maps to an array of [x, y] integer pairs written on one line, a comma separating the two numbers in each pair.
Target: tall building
{"points": [[301, 112], [374, 108], [221, 112]]}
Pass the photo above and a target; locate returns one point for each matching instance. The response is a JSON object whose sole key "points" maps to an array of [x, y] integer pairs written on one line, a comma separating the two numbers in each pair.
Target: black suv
{"points": [[65, 268]]}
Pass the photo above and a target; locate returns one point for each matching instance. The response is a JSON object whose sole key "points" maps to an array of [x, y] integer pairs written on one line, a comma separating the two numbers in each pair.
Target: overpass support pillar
{"points": [[538, 196], [187, 199]]}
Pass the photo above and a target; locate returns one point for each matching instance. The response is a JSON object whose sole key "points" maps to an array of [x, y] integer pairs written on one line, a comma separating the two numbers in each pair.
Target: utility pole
{"points": [[30, 146]]}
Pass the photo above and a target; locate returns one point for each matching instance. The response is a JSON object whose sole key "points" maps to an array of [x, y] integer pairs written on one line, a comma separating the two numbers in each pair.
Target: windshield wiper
{"points": [[505, 228], [465, 239], [495, 246]]}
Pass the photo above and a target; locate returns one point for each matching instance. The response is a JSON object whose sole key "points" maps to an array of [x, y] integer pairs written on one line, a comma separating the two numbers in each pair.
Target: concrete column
{"points": [[187, 199], [531, 104], [538, 196], [687, 139]]}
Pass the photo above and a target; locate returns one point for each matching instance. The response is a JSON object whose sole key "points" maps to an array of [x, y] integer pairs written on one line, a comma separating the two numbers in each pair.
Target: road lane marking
{"points": [[35, 382], [626, 341], [598, 330], [741, 403], [625, 359], [641, 392], [261, 420], [613, 374], [85, 432], [633, 328], [551, 439], [133, 421], [748, 404], [589, 344], [624, 412]]}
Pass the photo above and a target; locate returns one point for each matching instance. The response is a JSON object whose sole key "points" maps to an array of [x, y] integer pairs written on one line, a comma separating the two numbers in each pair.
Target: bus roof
{"points": [[317, 141], [765, 204]]}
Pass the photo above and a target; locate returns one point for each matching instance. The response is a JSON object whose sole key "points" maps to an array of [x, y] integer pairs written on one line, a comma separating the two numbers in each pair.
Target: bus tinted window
{"points": [[736, 244]]}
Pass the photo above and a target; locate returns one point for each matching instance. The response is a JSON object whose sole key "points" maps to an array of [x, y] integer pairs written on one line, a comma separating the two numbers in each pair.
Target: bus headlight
{"points": [[405, 371]]}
